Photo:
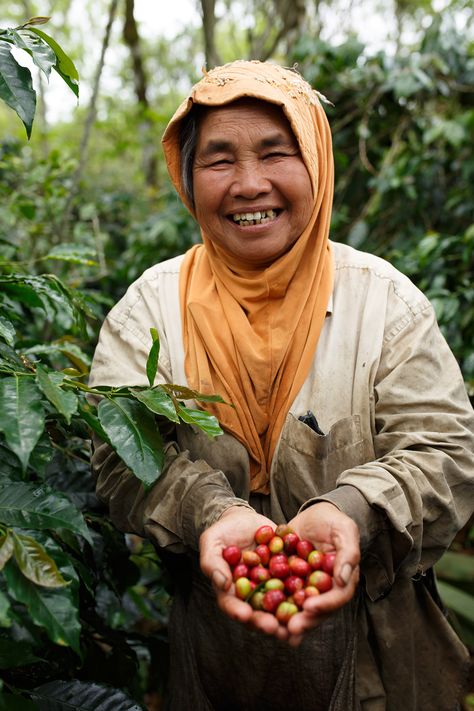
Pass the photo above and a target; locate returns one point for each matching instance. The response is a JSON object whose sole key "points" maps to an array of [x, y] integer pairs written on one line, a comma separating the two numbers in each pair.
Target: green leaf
{"points": [[21, 415], [185, 393], [15, 654], [6, 549], [157, 401], [134, 434], [78, 695], [41, 54], [54, 610], [457, 600], [16, 88], [16, 702], [205, 421], [73, 253], [35, 563], [64, 64], [88, 415], [7, 330], [5, 619], [152, 360], [26, 505], [456, 566], [49, 383]]}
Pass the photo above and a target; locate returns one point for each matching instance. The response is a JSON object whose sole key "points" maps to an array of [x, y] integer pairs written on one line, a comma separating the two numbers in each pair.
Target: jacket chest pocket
{"points": [[308, 464]]}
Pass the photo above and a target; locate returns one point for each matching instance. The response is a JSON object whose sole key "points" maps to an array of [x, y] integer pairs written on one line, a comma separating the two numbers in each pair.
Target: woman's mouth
{"points": [[245, 219]]}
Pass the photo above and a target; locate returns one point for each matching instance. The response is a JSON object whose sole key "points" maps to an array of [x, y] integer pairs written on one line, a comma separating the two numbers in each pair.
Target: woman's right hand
{"points": [[236, 526]]}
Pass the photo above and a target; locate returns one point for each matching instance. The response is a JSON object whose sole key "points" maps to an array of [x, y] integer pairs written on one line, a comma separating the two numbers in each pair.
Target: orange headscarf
{"points": [[251, 336]]}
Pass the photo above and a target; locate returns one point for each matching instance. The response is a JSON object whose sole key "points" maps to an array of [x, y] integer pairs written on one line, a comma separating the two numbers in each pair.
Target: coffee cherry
{"points": [[290, 541], [283, 529], [298, 566], [284, 611], [256, 600], [271, 599], [274, 584], [299, 597], [250, 558], [259, 574], [231, 555], [293, 583], [263, 534], [240, 571], [311, 591], [321, 580], [279, 568], [276, 545], [243, 588], [315, 559], [328, 563], [304, 548], [263, 552]]}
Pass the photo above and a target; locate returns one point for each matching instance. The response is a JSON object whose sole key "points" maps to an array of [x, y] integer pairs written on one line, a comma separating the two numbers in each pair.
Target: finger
{"points": [[234, 608], [264, 622], [333, 599]]}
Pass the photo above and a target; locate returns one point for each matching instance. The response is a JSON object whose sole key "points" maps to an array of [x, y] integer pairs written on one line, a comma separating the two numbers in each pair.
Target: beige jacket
{"points": [[396, 455]]}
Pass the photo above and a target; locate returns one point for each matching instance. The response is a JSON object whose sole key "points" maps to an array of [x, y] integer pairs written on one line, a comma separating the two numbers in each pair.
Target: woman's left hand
{"points": [[329, 529]]}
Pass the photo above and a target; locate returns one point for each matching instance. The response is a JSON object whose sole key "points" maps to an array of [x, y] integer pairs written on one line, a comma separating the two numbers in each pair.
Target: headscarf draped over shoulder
{"points": [[251, 335]]}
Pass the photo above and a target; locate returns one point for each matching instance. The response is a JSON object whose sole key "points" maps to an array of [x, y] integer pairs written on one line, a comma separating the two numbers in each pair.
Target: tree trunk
{"points": [[132, 40], [90, 118], [208, 8]]}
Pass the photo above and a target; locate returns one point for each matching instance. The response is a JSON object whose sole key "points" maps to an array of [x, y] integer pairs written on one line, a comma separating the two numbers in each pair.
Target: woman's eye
{"points": [[221, 161], [276, 154]]}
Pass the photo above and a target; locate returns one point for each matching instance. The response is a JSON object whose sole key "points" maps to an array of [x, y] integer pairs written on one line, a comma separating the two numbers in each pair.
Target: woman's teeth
{"points": [[254, 218]]}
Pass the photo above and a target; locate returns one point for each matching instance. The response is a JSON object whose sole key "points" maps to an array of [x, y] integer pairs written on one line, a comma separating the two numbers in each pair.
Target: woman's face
{"points": [[252, 192]]}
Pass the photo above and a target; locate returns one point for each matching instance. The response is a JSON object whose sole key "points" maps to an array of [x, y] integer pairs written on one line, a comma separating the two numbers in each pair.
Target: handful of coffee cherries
{"points": [[281, 572]]}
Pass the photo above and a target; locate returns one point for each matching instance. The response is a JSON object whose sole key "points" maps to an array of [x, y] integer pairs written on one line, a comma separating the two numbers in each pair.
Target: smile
{"points": [[245, 219]]}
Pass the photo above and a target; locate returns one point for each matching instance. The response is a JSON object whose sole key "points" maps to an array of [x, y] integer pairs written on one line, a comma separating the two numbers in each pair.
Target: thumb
{"points": [[220, 581]]}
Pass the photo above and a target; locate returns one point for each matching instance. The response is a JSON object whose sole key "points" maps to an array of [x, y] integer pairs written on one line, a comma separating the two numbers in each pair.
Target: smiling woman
{"points": [[252, 192], [285, 325]]}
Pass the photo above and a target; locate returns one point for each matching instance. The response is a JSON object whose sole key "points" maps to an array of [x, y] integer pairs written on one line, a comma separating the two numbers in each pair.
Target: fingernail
{"points": [[218, 579], [345, 573]]}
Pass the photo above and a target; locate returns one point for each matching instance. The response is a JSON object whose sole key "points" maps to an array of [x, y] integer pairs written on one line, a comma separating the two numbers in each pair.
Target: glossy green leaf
{"points": [[457, 600], [154, 354], [206, 422], [41, 54], [157, 401], [53, 609], [16, 88], [78, 695], [184, 393], [64, 65], [88, 415], [5, 608], [64, 401], [73, 253], [27, 505], [7, 331], [15, 654], [35, 563], [133, 433], [21, 415], [6, 548]]}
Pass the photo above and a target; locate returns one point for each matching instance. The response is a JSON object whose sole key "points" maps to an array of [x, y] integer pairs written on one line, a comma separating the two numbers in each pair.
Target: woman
{"points": [[281, 322]]}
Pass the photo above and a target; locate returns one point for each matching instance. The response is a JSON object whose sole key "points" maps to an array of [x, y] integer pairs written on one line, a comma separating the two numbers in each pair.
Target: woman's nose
{"points": [[249, 181]]}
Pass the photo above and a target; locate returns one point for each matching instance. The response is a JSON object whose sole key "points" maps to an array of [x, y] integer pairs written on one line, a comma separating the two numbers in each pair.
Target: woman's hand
{"points": [[236, 526], [329, 530]]}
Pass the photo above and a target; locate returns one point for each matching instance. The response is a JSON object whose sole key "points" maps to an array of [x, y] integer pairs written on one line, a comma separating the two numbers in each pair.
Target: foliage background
{"points": [[93, 183]]}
